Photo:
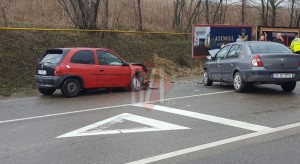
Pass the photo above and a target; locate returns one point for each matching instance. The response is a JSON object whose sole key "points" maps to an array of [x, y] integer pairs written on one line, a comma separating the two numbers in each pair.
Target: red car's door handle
{"points": [[101, 70]]}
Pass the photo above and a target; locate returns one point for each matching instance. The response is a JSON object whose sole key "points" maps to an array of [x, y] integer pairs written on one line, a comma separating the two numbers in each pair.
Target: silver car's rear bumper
{"points": [[265, 76]]}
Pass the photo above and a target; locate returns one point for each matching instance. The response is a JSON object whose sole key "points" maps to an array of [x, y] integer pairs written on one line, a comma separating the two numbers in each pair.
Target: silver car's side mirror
{"points": [[209, 57]]}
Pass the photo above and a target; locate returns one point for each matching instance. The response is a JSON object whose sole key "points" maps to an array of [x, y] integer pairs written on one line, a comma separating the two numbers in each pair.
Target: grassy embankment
{"points": [[20, 50]]}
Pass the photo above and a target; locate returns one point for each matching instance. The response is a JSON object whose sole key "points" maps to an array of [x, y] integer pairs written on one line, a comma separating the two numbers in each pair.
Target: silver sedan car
{"points": [[249, 63]]}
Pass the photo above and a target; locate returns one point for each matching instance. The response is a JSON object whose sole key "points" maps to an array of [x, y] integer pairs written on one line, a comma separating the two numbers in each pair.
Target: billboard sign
{"points": [[208, 37], [288, 33]]}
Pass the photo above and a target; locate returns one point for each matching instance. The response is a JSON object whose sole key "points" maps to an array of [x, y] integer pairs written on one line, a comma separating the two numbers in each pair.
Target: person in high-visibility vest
{"points": [[295, 45]]}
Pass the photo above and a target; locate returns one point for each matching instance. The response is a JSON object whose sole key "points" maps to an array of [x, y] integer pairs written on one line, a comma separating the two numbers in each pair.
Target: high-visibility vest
{"points": [[295, 45]]}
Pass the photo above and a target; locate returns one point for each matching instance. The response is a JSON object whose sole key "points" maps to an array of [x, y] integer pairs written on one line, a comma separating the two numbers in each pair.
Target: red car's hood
{"points": [[141, 65]]}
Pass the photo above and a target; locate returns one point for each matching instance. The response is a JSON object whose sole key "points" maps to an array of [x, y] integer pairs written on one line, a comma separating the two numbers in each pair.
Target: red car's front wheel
{"points": [[136, 82]]}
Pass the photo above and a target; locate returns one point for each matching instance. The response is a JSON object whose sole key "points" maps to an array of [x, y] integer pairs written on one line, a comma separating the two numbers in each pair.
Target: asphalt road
{"points": [[193, 124]]}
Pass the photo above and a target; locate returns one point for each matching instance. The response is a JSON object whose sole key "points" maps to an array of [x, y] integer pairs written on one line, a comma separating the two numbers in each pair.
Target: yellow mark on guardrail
{"points": [[84, 30]]}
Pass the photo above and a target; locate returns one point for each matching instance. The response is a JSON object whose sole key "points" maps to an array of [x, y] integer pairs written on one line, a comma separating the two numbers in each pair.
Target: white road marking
{"points": [[220, 120], [14, 100], [183, 97], [60, 114], [213, 144], [108, 107], [99, 128]]}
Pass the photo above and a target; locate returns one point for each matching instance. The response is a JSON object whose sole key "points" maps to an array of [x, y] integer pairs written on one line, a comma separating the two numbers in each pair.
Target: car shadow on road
{"points": [[258, 89], [267, 90], [87, 93]]}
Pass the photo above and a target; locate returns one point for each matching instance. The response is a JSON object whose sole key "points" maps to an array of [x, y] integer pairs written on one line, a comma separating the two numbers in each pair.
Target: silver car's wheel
{"points": [[238, 83], [206, 80], [289, 86]]}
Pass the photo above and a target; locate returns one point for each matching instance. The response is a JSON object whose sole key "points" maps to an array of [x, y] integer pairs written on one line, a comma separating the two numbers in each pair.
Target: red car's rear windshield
{"points": [[53, 57], [268, 47]]}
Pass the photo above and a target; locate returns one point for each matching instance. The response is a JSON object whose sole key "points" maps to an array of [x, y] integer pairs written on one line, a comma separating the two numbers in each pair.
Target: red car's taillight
{"points": [[256, 61], [58, 71]]}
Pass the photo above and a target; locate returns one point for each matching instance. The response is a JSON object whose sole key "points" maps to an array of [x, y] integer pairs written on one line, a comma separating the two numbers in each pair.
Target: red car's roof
{"points": [[82, 48]]}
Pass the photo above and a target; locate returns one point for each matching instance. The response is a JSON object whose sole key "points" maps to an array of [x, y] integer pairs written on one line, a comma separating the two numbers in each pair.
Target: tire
{"points": [[238, 83], [206, 80], [71, 88], [46, 91], [289, 86], [136, 83]]}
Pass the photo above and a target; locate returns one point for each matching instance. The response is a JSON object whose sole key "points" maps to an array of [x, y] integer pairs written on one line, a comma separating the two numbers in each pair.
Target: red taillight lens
{"points": [[58, 71], [256, 61]]}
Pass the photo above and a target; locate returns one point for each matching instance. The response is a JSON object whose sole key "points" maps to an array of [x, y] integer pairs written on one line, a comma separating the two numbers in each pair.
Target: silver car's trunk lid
{"points": [[280, 61]]}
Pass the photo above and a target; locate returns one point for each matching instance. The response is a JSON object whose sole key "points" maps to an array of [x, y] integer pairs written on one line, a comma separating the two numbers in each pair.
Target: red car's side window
{"points": [[83, 57], [106, 58]]}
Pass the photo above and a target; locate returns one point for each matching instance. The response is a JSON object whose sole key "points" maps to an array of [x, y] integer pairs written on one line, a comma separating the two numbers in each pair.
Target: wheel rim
{"points": [[136, 84], [237, 82], [72, 87], [205, 78]]}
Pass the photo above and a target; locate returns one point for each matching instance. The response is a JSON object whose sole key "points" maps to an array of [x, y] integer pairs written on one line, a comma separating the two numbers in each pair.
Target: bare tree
{"points": [[264, 10], [3, 11], [178, 14], [207, 11], [243, 11], [4, 16], [117, 13], [83, 13], [298, 19], [140, 18], [226, 6], [217, 11], [193, 16], [274, 4], [106, 12], [292, 12]]}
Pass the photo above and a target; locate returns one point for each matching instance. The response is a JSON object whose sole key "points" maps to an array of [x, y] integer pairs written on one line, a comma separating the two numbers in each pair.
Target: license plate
{"points": [[283, 75], [42, 72]]}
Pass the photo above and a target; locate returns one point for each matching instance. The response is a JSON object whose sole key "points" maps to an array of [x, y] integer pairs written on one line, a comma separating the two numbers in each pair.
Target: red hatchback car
{"points": [[76, 69]]}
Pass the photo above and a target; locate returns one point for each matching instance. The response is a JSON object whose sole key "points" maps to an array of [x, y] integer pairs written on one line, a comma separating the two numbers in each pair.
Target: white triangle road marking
{"points": [[99, 128], [206, 117]]}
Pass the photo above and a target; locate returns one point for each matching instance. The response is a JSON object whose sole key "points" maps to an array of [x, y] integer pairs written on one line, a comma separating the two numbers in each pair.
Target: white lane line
{"points": [[101, 127], [183, 97], [214, 144], [108, 107], [14, 100], [60, 114], [206, 117]]}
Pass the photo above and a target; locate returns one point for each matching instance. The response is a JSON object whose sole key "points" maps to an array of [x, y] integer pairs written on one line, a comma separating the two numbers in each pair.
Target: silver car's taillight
{"points": [[256, 61]]}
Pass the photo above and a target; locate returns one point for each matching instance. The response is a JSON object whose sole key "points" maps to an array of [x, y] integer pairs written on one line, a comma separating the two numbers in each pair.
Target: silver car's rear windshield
{"points": [[268, 47]]}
